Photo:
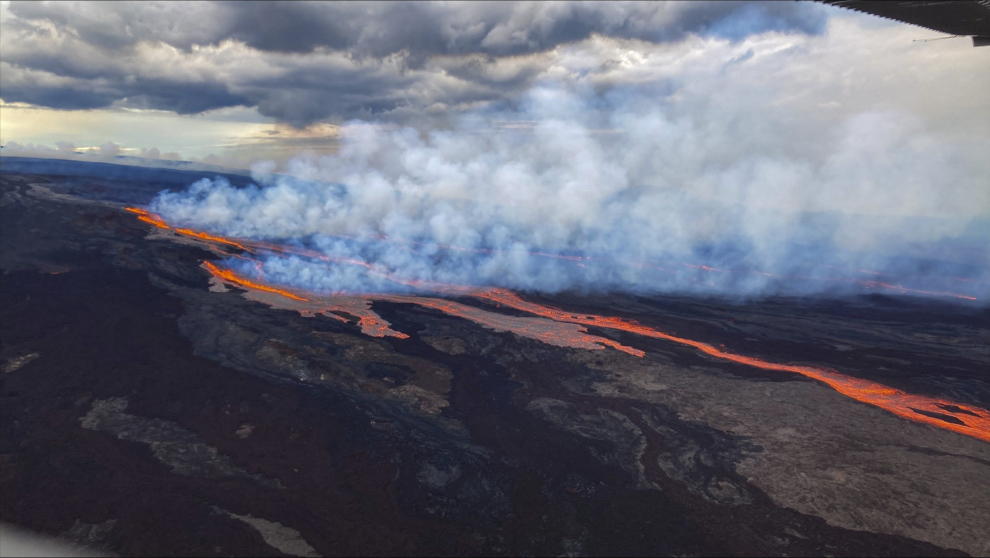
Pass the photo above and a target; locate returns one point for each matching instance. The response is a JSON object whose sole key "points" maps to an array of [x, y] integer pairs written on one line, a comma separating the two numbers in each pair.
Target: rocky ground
{"points": [[146, 411]]}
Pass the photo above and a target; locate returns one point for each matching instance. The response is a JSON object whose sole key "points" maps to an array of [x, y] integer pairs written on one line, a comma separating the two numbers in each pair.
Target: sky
{"points": [[553, 112], [254, 80]]}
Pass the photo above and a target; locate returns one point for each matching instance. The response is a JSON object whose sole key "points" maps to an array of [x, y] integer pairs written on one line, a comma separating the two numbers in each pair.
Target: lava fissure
{"points": [[918, 408], [247, 283]]}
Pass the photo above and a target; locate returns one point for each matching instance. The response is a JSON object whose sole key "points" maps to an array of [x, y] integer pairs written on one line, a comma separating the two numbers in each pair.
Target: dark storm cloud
{"points": [[183, 98], [497, 29], [382, 28], [301, 62], [61, 96], [141, 92]]}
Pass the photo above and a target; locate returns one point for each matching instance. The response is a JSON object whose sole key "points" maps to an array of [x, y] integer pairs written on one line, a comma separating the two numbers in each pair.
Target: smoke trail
{"points": [[577, 191]]}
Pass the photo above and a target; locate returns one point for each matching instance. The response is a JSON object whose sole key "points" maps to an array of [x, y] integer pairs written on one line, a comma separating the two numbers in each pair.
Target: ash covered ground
{"points": [[149, 409]]}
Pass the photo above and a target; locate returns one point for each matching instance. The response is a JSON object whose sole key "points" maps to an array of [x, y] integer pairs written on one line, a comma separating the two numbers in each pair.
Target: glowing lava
{"points": [[161, 224], [149, 217], [964, 419], [914, 407], [228, 275], [357, 306]]}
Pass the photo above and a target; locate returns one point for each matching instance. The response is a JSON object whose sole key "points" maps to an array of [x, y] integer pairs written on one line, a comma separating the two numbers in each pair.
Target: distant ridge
{"points": [[164, 175]]}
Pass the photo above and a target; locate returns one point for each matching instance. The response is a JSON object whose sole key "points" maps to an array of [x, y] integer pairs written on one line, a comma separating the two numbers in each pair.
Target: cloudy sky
{"points": [[642, 128], [243, 81]]}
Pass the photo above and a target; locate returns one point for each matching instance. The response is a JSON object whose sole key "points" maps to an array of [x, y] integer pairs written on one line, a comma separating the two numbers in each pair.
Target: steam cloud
{"points": [[628, 191]]}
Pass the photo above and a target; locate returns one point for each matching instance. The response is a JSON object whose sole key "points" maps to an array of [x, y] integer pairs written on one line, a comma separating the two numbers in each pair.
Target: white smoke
{"points": [[635, 187]]}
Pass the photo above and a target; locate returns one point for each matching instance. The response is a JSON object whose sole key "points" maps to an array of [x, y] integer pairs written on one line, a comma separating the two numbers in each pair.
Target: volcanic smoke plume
{"points": [[567, 191]]}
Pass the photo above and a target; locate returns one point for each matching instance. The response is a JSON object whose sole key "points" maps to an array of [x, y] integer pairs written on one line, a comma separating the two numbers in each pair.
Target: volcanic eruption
{"points": [[555, 327]]}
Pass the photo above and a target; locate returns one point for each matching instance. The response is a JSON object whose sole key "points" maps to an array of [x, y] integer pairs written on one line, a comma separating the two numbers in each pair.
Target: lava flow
{"points": [[560, 335], [974, 422], [918, 408], [359, 307], [161, 224], [233, 278]]}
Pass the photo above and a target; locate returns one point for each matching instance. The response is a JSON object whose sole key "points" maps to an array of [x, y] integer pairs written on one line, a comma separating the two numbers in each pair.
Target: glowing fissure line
{"points": [[161, 224], [205, 236], [912, 407], [233, 278]]}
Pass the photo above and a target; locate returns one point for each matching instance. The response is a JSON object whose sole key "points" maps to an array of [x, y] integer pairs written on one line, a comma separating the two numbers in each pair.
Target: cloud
{"points": [[109, 149], [152, 153], [109, 152], [303, 62], [421, 28], [504, 29]]}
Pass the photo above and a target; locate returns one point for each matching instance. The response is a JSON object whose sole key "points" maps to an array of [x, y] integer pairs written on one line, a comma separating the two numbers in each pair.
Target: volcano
{"points": [[158, 401]]}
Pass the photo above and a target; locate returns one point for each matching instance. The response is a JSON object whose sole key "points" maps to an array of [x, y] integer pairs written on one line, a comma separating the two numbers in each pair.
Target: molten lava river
{"points": [[547, 324]]}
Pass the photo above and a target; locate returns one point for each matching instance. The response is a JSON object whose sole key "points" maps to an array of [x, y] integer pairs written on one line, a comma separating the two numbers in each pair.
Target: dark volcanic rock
{"points": [[144, 414]]}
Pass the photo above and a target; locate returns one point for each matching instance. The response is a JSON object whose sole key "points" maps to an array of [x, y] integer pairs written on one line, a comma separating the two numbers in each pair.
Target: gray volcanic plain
{"points": [[147, 409]]}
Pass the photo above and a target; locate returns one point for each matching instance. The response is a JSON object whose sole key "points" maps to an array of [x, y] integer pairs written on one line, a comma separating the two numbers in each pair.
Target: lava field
{"points": [[155, 402]]}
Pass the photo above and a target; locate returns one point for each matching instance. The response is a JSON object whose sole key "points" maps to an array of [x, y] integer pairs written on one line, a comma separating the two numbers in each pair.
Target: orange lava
{"points": [[233, 278], [359, 307], [157, 221], [976, 422], [205, 236], [150, 218], [903, 404], [376, 327]]}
